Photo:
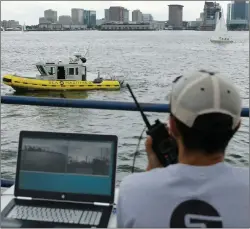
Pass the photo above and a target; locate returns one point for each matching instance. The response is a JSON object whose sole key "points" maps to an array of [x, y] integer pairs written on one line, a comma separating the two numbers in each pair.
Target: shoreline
{"points": [[137, 30]]}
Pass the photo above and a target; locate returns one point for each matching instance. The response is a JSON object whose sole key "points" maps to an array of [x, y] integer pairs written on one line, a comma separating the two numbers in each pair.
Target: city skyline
{"points": [[55, 145], [70, 148], [17, 10], [80, 150]]}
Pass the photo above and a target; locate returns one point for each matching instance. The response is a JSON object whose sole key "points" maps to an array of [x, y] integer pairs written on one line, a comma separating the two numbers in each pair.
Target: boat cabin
{"points": [[73, 70]]}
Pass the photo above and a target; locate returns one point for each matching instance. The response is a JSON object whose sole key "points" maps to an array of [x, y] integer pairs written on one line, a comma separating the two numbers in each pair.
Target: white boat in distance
{"points": [[24, 28], [221, 32]]}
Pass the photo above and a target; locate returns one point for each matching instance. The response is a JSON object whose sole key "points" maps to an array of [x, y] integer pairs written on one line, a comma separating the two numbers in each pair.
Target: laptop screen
{"points": [[67, 163]]}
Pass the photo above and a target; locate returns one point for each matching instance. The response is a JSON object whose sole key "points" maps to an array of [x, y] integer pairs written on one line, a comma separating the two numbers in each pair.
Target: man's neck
{"points": [[199, 158]]}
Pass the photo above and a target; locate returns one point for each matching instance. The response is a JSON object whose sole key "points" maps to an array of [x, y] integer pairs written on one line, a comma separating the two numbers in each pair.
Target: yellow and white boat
{"points": [[71, 76]]}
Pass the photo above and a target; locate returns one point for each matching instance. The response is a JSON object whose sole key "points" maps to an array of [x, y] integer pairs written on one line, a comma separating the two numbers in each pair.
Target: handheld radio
{"points": [[164, 145]]}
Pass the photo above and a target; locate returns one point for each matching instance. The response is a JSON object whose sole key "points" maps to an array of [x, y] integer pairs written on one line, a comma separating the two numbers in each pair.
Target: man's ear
{"points": [[237, 127], [172, 126]]}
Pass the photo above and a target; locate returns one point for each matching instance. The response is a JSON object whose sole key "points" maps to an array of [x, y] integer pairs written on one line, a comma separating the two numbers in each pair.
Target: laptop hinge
{"points": [[102, 204], [23, 198]]}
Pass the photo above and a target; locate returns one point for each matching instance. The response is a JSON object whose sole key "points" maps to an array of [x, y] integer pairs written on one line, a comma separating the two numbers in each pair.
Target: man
{"points": [[201, 190]]}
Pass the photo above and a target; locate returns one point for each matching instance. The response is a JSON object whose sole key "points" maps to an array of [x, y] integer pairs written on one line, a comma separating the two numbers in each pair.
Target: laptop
{"points": [[63, 180]]}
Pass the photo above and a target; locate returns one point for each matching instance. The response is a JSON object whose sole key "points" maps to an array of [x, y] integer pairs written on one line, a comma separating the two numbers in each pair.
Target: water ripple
{"points": [[149, 61]]}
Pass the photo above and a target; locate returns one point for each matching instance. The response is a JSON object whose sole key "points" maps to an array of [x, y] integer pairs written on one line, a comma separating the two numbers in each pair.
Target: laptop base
{"points": [[22, 223]]}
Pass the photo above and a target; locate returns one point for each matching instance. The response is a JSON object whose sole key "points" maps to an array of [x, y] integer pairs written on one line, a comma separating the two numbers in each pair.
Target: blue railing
{"points": [[6, 183], [90, 104]]}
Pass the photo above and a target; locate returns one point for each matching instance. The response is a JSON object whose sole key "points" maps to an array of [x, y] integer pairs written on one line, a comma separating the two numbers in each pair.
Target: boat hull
{"points": [[24, 84]]}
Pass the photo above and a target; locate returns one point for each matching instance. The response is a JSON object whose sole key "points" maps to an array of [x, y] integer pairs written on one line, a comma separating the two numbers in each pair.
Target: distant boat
{"points": [[2, 29], [221, 33], [24, 28]]}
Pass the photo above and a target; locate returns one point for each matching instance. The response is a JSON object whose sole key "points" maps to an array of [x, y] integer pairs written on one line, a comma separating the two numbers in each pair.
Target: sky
{"points": [[28, 12]]}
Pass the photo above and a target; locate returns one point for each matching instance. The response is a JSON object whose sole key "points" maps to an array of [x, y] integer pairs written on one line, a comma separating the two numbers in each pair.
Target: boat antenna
{"points": [[126, 61], [87, 51]]}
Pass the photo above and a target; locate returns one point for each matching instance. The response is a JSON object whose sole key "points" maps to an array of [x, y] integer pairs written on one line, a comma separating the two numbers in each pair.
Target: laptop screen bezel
{"points": [[66, 196]]}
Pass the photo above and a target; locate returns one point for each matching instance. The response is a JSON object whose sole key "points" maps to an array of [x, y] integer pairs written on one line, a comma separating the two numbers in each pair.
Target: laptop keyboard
{"points": [[58, 215]]}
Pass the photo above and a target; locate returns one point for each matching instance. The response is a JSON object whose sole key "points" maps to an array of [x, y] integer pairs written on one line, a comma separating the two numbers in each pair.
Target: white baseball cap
{"points": [[204, 92]]}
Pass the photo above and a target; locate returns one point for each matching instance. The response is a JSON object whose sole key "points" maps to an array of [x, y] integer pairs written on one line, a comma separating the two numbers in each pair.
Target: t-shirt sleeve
{"points": [[124, 210], [119, 207]]}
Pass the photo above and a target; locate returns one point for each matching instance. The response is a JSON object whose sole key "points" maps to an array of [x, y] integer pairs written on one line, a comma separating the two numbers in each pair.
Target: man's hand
{"points": [[153, 161]]}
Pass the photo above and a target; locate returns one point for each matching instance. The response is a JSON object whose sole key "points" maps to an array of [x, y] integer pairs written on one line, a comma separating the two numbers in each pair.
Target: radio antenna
{"points": [[139, 108]]}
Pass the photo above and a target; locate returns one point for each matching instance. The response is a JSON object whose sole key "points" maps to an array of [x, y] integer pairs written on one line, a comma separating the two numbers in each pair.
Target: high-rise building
{"points": [[86, 17], [90, 18], [247, 12], [147, 18], [4, 24], [65, 20], [77, 16], [106, 14], [238, 15], [210, 10], [137, 16], [202, 15], [10, 24], [229, 6], [43, 20], [239, 10], [175, 13], [50, 15], [116, 13], [125, 15]]}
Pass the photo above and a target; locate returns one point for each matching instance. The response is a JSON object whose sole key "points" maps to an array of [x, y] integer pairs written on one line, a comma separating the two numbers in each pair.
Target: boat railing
{"points": [[88, 104]]}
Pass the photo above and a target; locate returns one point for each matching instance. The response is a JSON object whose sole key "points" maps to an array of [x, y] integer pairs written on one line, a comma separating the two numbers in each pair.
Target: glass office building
{"points": [[90, 18], [239, 10]]}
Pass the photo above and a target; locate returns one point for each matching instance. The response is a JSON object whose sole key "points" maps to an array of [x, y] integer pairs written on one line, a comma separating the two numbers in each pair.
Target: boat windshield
{"points": [[50, 70], [41, 70]]}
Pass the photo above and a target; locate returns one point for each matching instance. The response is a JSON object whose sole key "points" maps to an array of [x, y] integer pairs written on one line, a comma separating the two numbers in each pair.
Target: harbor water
{"points": [[148, 60]]}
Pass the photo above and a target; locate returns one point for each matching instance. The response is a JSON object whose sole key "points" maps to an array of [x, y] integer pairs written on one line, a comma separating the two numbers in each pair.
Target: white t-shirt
{"points": [[185, 196]]}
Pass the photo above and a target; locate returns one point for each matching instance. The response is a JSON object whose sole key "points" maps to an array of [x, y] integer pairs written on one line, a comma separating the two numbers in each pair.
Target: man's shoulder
{"points": [[153, 179], [147, 180], [139, 177], [241, 174], [243, 170]]}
